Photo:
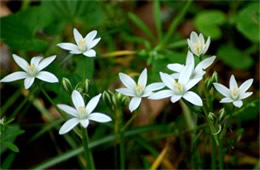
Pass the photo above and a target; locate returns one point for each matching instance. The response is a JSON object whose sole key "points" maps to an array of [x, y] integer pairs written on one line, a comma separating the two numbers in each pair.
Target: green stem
{"points": [[87, 152], [129, 121], [213, 153], [220, 154], [122, 149], [187, 115], [65, 59], [176, 22]]}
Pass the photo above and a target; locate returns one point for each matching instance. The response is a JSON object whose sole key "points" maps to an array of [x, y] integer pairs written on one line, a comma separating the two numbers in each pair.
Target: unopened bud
{"points": [[66, 85], [114, 100], [221, 113], [212, 79], [86, 83], [211, 116], [107, 98]]}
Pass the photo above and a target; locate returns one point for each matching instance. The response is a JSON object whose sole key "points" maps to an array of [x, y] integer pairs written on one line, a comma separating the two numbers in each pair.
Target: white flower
{"points": [[81, 113], [197, 44], [32, 71], [139, 90], [178, 89], [83, 45], [234, 94], [197, 72]]}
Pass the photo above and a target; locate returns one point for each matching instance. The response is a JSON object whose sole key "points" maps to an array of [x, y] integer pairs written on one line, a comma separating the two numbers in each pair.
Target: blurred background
{"points": [[135, 34]]}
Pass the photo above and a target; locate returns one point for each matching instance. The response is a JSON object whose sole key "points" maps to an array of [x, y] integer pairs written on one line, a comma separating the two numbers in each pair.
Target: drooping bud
{"points": [[66, 85]]}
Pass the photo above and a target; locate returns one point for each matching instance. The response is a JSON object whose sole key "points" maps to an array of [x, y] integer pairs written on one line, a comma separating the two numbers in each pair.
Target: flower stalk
{"points": [[87, 152]]}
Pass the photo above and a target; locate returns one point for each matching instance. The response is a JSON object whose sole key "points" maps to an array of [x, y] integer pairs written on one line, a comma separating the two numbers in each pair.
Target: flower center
{"points": [[82, 44], [82, 112], [198, 46], [177, 87], [235, 93], [139, 89], [31, 70]]}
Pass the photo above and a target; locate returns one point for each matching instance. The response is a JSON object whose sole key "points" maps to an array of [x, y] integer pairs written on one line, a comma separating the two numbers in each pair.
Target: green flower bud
{"points": [[211, 116], [107, 98], [211, 80], [86, 83], [221, 114], [66, 85]]}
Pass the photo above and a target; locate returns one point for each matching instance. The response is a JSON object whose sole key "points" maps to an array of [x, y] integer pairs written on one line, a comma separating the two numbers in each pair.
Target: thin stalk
{"points": [[65, 59], [122, 149], [187, 116], [129, 121], [221, 155], [87, 152], [213, 153]]}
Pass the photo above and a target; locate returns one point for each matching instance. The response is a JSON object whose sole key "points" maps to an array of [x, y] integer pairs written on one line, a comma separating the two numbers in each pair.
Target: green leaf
{"points": [[234, 57], [249, 111], [141, 25], [11, 146], [208, 22], [85, 12], [248, 23], [157, 18]]}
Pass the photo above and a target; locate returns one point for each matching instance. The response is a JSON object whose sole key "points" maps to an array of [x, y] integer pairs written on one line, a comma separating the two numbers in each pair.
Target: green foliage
{"points": [[208, 23], [234, 57], [250, 111], [248, 23]]}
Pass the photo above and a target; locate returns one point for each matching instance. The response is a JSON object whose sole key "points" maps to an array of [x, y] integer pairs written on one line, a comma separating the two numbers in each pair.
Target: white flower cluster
{"points": [[177, 85], [184, 78]]}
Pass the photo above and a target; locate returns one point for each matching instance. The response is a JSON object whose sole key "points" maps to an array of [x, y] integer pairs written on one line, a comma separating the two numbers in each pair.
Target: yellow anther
{"points": [[139, 89], [198, 46], [235, 93], [82, 44], [177, 86]]}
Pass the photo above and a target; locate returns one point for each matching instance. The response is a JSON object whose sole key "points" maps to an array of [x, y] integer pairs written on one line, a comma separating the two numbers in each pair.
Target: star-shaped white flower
{"points": [[32, 71], [83, 45], [139, 90], [197, 72], [197, 44], [178, 89], [234, 94], [81, 113]]}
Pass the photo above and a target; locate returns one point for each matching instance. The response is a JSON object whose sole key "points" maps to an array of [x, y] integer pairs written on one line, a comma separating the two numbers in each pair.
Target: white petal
{"points": [[193, 98], [47, 76], [126, 91], [175, 76], [190, 60], [93, 43], [190, 44], [45, 62], [161, 95], [77, 51], [127, 81], [77, 99], [92, 104], [246, 85], [167, 80], [226, 100], [154, 86], [84, 123], [68, 109], [207, 45], [90, 53], [35, 60], [191, 83], [99, 117], [238, 103], [245, 95], [222, 89], [21, 62], [232, 82], [77, 35], [175, 98], [90, 36], [205, 63], [175, 67], [142, 80], [185, 74], [67, 126], [134, 103], [201, 38], [68, 46], [14, 76], [28, 82], [194, 37]]}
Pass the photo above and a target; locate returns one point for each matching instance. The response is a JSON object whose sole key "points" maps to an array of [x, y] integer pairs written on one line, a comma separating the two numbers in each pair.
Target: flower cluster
{"points": [[177, 85]]}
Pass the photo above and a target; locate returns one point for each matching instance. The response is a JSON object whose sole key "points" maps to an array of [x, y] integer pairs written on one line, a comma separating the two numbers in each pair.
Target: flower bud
{"points": [[211, 116], [66, 85], [107, 98], [86, 83], [211, 80], [221, 114]]}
